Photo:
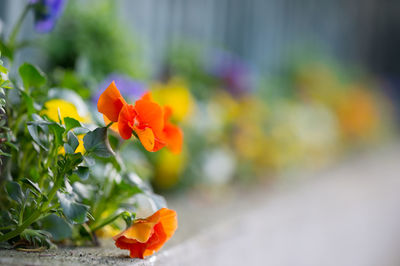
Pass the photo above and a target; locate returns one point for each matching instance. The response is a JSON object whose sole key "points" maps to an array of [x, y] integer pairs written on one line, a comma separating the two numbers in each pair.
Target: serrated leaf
{"points": [[96, 141], [74, 211], [14, 191], [31, 76], [71, 123]]}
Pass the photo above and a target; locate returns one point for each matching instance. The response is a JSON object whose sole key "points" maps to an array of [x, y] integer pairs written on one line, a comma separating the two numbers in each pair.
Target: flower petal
{"points": [[173, 137], [111, 102], [169, 221], [146, 137], [125, 121], [150, 114]]}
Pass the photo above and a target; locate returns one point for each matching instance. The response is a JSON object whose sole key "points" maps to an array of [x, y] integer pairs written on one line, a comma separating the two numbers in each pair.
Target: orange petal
{"points": [[147, 96], [111, 102], [125, 121], [167, 113], [149, 114], [158, 143], [156, 241], [146, 137], [173, 137], [169, 221], [147, 236]]}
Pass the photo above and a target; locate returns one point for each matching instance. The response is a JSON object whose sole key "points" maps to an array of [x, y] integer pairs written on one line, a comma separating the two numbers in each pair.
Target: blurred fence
{"points": [[262, 31]]}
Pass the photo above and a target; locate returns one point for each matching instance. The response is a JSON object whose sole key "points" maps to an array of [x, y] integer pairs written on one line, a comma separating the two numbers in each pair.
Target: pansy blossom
{"points": [[146, 236], [146, 119]]}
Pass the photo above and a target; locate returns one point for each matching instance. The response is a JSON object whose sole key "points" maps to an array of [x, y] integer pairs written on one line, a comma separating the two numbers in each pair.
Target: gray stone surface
{"points": [[346, 215]]}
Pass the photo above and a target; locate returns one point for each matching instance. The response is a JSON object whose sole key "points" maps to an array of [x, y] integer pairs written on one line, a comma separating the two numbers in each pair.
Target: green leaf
{"points": [[2, 153], [3, 69], [34, 132], [96, 141], [14, 191], [80, 130], [6, 51], [75, 159], [82, 172], [71, 123], [32, 185], [37, 237], [31, 76], [5, 218], [11, 145], [72, 144], [74, 211], [57, 226], [58, 132], [28, 102]]}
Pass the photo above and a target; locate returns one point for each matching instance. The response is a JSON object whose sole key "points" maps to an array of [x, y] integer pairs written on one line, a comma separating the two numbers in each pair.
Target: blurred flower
{"points": [[358, 113], [107, 231], [129, 88], [219, 166], [148, 120], [173, 135], [47, 12], [65, 108], [175, 94], [146, 236], [233, 73], [168, 168]]}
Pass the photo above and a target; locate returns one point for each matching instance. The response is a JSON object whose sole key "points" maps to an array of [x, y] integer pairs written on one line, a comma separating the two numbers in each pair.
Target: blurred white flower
{"points": [[219, 166]]}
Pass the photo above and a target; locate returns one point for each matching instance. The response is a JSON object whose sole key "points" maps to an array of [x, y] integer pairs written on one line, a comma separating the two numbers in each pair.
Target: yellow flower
{"points": [[169, 167], [65, 108], [176, 95]]}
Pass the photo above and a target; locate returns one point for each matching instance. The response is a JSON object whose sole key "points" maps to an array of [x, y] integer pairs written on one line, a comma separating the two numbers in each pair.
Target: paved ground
{"points": [[346, 215]]}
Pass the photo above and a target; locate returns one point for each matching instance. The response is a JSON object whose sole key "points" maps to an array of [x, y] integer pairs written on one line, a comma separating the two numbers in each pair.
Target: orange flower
{"points": [[146, 118], [173, 135], [148, 235]]}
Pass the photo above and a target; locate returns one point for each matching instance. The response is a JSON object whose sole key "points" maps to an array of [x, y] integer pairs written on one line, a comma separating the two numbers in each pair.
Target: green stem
{"points": [[106, 221], [18, 25], [37, 213]]}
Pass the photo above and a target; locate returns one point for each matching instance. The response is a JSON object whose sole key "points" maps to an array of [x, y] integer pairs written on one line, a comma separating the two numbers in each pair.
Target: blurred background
{"points": [[268, 92]]}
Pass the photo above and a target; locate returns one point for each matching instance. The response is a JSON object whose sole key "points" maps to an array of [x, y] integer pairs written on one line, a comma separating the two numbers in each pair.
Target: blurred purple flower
{"points": [[129, 88], [47, 13], [232, 72]]}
